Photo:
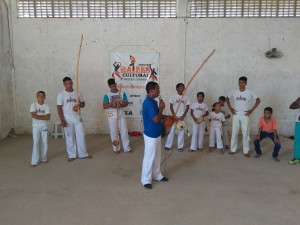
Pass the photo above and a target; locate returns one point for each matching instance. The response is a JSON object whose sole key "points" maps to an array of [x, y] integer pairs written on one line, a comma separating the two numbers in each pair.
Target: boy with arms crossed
{"points": [[40, 113]]}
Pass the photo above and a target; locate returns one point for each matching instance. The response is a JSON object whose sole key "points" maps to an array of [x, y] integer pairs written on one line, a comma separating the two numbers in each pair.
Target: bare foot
{"points": [[247, 155], [226, 147], [87, 157], [276, 159], [71, 159], [32, 166], [209, 150], [231, 153], [257, 156], [222, 151]]}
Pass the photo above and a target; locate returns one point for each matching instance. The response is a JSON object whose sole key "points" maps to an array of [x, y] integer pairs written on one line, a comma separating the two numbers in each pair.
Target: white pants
{"points": [[75, 138], [151, 161], [123, 131], [198, 135], [180, 141], [225, 135], [244, 121], [215, 135], [40, 144]]}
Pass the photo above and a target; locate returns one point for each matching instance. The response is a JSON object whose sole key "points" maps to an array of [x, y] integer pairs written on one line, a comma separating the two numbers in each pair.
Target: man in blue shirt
{"points": [[152, 115]]}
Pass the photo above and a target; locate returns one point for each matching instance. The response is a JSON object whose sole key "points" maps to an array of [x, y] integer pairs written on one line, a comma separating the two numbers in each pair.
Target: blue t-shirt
{"points": [[114, 96], [150, 110]]}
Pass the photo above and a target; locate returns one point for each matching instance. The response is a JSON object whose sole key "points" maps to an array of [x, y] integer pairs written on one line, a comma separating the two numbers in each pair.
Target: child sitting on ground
{"points": [[267, 127]]}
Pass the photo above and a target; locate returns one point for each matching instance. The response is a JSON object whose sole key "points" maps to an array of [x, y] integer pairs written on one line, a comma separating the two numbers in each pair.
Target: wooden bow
{"points": [[77, 73], [193, 77], [116, 142]]}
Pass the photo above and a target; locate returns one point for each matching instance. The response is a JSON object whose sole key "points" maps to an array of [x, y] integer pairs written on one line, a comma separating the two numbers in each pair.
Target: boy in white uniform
{"points": [[216, 119], [67, 107], [40, 113], [224, 110], [179, 107], [199, 111], [111, 103], [240, 108]]}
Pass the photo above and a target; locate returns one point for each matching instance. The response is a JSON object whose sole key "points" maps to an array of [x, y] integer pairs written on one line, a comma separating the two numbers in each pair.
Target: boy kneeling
{"points": [[267, 128]]}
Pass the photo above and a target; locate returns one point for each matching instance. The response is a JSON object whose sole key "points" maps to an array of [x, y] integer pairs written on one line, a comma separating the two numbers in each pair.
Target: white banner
{"points": [[133, 71]]}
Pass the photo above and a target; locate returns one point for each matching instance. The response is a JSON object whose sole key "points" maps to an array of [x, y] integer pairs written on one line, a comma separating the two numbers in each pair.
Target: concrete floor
{"points": [[204, 189]]}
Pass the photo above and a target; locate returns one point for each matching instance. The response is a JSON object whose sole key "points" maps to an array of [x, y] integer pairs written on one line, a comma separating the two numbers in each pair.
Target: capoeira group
{"points": [[239, 103]]}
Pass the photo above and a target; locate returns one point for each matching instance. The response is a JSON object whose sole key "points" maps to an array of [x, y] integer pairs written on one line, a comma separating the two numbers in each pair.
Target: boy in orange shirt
{"points": [[267, 127]]}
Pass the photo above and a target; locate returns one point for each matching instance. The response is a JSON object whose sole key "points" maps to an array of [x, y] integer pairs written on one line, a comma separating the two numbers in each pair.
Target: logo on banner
{"points": [[116, 72], [134, 71], [128, 113]]}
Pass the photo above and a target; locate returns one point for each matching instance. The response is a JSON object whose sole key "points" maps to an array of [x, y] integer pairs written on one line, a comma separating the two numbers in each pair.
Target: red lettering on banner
{"points": [[138, 69], [129, 70]]}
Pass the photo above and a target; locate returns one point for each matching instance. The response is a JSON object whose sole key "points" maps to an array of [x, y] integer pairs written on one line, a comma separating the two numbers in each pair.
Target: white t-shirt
{"points": [[39, 110], [225, 111], [199, 109], [175, 100], [68, 100], [241, 100], [110, 97], [216, 119]]}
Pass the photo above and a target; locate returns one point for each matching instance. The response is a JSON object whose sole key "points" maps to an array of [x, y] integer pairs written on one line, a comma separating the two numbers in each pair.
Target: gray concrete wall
{"points": [[45, 52], [7, 111]]}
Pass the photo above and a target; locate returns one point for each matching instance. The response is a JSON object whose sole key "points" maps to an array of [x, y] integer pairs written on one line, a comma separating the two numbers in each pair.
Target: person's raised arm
{"points": [[159, 116], [295, 104]]}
